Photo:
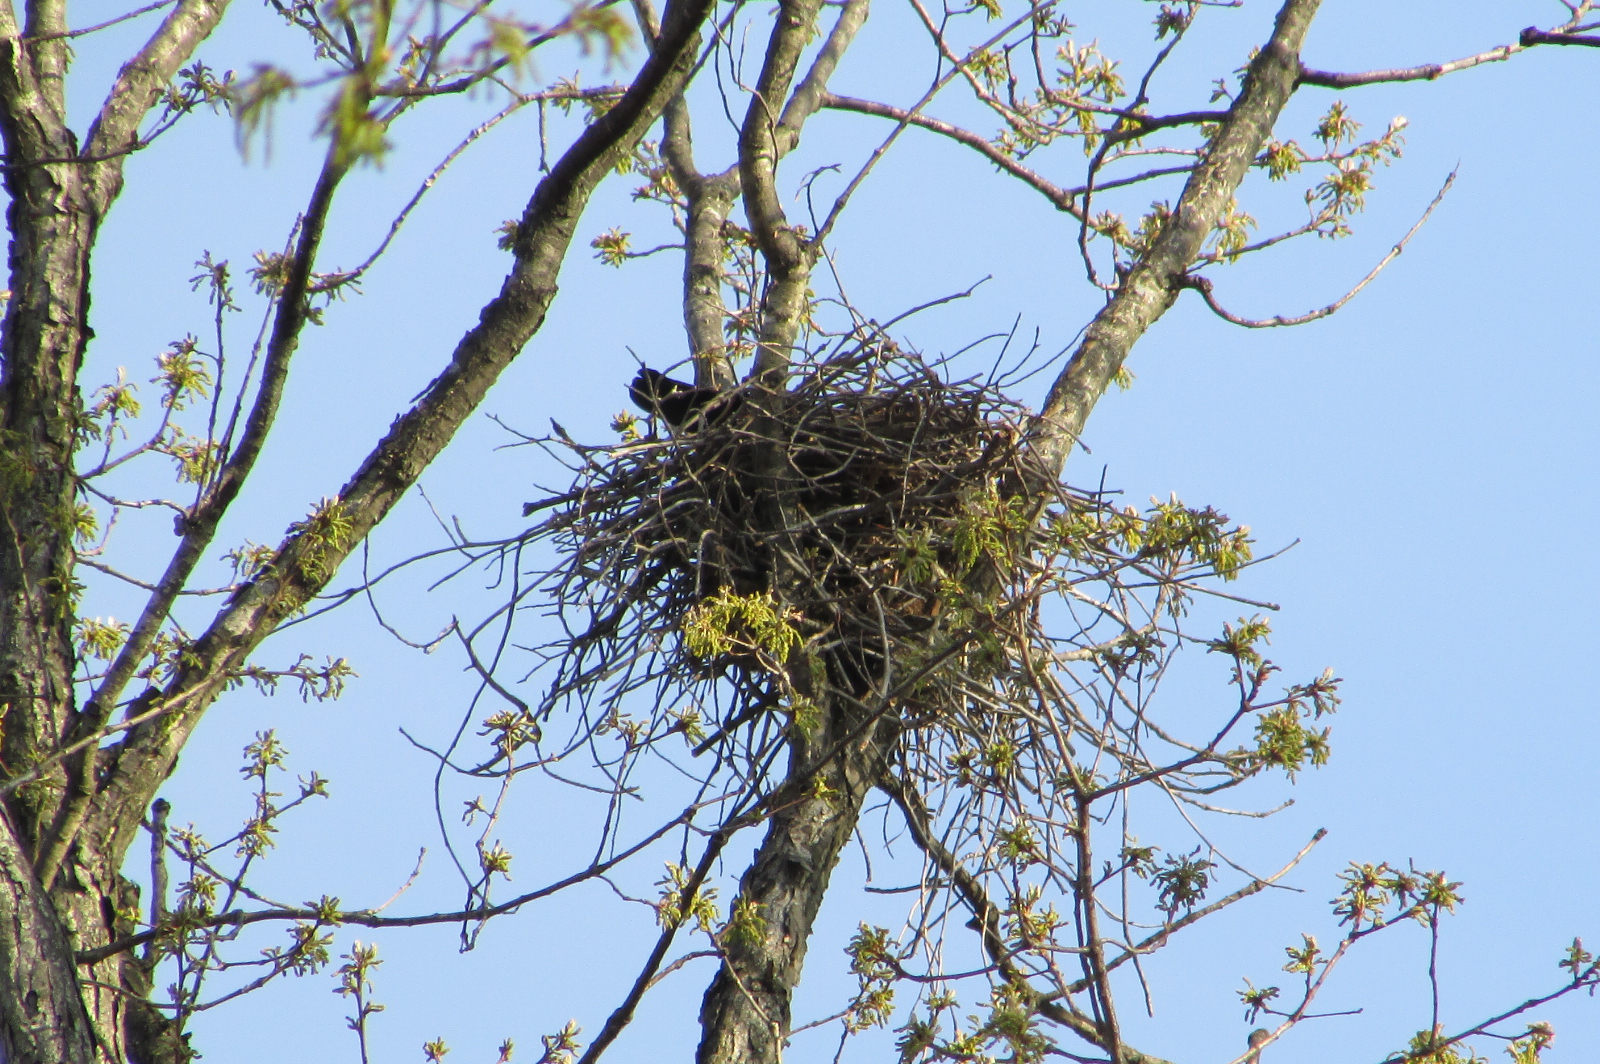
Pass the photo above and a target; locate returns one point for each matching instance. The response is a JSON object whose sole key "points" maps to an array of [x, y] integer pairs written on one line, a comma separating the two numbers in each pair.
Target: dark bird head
{"points": [[651, 386], [675, 402]]}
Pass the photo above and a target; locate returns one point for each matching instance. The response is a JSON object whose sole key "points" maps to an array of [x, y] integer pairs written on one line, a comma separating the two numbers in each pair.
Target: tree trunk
{"points": [[65, 832], [745, 1017]]}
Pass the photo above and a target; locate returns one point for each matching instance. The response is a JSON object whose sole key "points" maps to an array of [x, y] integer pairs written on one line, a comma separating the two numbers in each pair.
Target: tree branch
{"points": [[1059, 197], [302, 568], [139, 84], [1158, 275], [709, 199], [1529, 38], [787, 256], [1203, 284], [1534, 35]]}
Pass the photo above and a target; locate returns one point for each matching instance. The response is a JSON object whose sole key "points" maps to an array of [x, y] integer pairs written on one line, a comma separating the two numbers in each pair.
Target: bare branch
{"points": [[140, 84], [762, 141], [301, 569], [1059, 197], [1203, 285], [1534, 35], [1529, 38], [1157, 276], [135, 13]]}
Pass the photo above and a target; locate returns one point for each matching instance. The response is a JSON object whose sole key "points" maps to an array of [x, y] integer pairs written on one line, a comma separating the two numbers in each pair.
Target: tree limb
{"points": [[1059, 197], [787, 256], [1152, 284], [301, 568], [139, 84], [1204, 287]]}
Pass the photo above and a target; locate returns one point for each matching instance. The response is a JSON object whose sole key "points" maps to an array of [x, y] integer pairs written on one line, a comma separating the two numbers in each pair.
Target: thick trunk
{"points": [[64, 834], [745, 1017], [48, 1015]]}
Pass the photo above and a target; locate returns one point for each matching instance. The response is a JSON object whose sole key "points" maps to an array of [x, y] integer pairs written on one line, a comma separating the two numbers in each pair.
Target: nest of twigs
{"points": [[866, 513]]}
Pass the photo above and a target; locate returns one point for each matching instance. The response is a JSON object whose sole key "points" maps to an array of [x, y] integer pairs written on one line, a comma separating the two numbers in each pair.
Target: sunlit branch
{"points": [[1203, 285], [369, 917], [145, 10], [1061, 199], [1193, 916]]}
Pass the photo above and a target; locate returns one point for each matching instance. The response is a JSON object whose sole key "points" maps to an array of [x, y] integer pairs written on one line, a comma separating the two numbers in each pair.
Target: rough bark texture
{"points": [[762, 142], [1156, 279], [64, 834], [710, 198], [745, 1017], [58, 197]]}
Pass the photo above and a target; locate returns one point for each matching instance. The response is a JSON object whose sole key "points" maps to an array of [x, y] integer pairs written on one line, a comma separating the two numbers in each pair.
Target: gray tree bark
{"points": [[745, 1016], [66, 822]]}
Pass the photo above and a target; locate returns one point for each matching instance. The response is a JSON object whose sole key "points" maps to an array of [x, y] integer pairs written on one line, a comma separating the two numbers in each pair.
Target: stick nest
{"points": [[871, 514]]}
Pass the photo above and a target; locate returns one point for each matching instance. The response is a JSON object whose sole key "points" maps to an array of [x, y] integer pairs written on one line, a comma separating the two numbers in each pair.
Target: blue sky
{"points": [[1431, 451]]}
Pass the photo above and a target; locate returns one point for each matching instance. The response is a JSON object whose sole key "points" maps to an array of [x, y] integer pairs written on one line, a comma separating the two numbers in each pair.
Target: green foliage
{"points": [[197, 895], [747, 925], [310, 949], [1018, 844], [677, 906], [875, 966], [197, 85], [1336, 126], [1430, 1047], [1527, 1049], [358, 135], [1257, 1000], [599, 27], [1232, 233], [1375, 895], [1282, 159], [100, 639], [249, 560], [728, 622], [1182, 882], [1169, 537], [85, 524], [254, 101], [324, 537], [1084, 83], [805, 715], [112, 402], [919, 556], [181, 374], [989, 527], [17, 468], [271, 272], [611, 247], [355, 980], [626, 425], [1028, 923], [1240, 642], [197, 460], [1579, 963], [495, 859], [1283, 741], [319, 683], [1343, 191], [559, 1048], [511, 729], [821, 790]]}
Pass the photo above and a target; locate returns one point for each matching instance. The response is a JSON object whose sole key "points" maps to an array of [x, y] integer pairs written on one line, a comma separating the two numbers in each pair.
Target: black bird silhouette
{"points": [[676, 402]]}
